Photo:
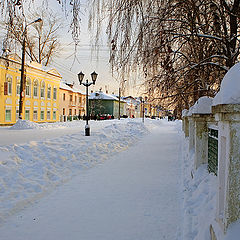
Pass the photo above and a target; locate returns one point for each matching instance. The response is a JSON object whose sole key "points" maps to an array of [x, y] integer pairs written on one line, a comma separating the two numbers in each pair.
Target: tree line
{"points": [[181, 48]]}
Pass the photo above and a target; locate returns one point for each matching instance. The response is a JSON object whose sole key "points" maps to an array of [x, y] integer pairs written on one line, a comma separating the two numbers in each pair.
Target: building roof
{"points": [[103, 96], [65, 86]]}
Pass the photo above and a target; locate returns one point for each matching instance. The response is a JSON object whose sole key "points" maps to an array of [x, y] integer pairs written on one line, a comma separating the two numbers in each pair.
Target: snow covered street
{"points": [[133, 195]]}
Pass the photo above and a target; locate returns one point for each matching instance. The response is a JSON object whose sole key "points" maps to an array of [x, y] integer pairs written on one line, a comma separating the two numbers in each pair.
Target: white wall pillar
{"points": [[228, 200], [201, 138], [191, 133]]}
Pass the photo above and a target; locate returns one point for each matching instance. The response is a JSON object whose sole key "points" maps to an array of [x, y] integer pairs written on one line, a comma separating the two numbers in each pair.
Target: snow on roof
{"points": [[77, 90], [102, 95], [189, 113], [64, 86], [230, 87], [203, 105]]}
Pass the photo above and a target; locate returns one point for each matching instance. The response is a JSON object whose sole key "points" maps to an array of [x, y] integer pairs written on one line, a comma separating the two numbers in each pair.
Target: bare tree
{"points": [[42, 40], [183, 47]]}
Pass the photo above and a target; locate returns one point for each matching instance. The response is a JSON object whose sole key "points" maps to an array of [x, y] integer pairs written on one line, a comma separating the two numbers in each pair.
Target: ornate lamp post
{"points": [[87, 84], [143, 107], [119, 99], [23, 78]]}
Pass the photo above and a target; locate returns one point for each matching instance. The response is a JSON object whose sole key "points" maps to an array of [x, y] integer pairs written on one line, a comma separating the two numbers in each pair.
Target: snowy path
{"points": [[133, 196]]}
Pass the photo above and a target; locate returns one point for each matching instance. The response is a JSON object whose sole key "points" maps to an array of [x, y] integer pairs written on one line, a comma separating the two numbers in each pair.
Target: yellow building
{"points": [[41, 101], [72, 102]]}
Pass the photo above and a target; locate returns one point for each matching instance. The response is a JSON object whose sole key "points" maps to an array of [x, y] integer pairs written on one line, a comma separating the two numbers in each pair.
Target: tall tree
{"points": [[183, 47], [42, 40]]}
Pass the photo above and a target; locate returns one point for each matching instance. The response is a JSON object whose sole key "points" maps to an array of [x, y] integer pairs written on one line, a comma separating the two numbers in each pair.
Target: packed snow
{"points": [[230, 87], [203, 105], [30, 169], [128, 180], [184, 112]]}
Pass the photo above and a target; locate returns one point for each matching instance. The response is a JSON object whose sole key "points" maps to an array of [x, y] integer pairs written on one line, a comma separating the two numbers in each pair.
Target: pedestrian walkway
{"points": [[133, 196]]}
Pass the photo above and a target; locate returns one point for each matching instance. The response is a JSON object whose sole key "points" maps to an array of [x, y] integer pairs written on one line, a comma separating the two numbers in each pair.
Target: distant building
{"points": [[133, 106], [41, 91], [106, 104], [72, 102]]}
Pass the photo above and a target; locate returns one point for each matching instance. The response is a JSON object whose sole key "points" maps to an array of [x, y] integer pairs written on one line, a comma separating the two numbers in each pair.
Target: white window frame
{"points": [[42, 90], [54, 93], [28, 87], [54, 115], [42, 111], [18, 86], [48, 115], [9, 84], [27, 114], [8, 120], [35, 88], [35, 115], [49, 89]]}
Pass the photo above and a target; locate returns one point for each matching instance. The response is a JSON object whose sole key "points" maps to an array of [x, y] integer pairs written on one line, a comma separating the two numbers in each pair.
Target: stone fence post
{"points": [[228, 198], [191, 133], [201, 138]]}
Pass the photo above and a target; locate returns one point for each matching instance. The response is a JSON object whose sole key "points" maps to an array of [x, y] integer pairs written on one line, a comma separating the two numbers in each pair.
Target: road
{"points": [[134, 195]]}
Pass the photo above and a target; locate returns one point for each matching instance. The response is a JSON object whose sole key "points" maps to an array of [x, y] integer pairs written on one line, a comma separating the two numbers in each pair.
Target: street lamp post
{"points": [[87, 84], [119, 100], [143, 110], [23, 78]]}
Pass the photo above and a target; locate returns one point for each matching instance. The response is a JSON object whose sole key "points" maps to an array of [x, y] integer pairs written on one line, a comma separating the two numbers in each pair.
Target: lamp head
{"points": [[80, 77], [38, 20], [94, 77]]}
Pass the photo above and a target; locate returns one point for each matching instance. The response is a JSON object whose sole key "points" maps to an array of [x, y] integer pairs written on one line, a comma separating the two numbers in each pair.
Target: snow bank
{"points": [[24, 124], [230, 87], [184, 112], [199, 198], [29, 170], [233, 232], [203, 105], [189, 113]]}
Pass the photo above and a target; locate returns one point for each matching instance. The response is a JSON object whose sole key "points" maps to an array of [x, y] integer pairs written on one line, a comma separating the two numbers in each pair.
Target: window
{"points": [[35, 88], [8, 114], [55, 93], [75, 99], [8, 86], [18, 86], [80, 100], [28, 87], [70, 98], [70, 112], [49, 92], [43, 89], [54, 115], [35, 115], [64, 97], [75, 112], [27, 114], [63, 111], [48, 115], [17, 113], [42, 115]]}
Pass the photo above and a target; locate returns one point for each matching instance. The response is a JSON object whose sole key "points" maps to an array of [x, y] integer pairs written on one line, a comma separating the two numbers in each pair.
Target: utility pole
{"points": [[23, 77], [119, 107]]}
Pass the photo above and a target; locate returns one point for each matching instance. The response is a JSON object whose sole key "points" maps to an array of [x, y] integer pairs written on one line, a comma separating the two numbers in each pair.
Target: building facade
{"points": [[106, 104], [133, 107], [72, 102], [41, 96]]}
